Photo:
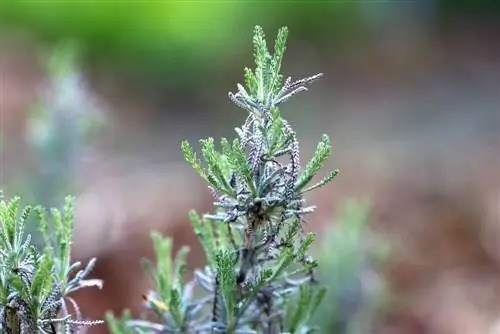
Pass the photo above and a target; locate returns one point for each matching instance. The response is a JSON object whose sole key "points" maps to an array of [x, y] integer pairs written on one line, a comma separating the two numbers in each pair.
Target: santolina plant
{"points": [[35, 286], [259, 277]]}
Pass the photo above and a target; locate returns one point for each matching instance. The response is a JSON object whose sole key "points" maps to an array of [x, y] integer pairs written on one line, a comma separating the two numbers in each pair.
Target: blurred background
{"points": [[95, 98]]}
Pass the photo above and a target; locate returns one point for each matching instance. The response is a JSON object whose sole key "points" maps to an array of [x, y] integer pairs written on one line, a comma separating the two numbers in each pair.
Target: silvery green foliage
{"points": [[58, 133], [67, 108], [60, 126], [259, 277], [35, 286], [350, 256]]}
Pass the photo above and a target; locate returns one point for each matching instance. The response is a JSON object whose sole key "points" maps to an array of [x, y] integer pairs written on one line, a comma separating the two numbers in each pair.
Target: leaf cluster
{"points": [[35, 285]]}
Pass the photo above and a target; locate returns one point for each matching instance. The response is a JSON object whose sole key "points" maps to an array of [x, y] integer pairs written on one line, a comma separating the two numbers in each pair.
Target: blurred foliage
{"points": [[465, 8], [173, 40], [348, 266], [60, 127], [173, 43]]}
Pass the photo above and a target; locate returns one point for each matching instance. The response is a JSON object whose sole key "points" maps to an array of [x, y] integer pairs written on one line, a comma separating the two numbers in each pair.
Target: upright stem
{"points": [[14, 321]]}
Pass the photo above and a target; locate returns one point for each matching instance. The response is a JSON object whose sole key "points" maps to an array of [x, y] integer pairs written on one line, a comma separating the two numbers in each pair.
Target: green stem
{"points": [[14, 326]]}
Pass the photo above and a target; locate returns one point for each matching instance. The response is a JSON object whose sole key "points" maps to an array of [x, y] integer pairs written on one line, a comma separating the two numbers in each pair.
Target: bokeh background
{"points": [[95, 97]]}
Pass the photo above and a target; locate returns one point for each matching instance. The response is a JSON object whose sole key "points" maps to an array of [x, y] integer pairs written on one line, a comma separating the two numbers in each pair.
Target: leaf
{"points": [[180, 265], [190, 157], [174, 304], [201, 233], [42, 280], [147, 267], [250, 81], [323, 151], [44, 226], [68, 216], [19, 286], [163, 251], [218, 180], [318, 298], [304, 246], [20, 225], [227, 283], [285, 259], [327, 179], [240, 161], [279, 50], [302, 307]]}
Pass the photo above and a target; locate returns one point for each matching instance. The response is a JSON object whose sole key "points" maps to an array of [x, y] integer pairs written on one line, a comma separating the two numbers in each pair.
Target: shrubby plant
{"points": [[351, 257], [35, 286], [59, 128], [62, 124], [259, 276]]}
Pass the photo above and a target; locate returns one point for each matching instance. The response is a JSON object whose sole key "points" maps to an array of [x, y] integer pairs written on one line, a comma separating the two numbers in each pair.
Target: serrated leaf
{"points": [[304, 246], [327, 179], [227, 283], [42, 279], [250, 81], [190, 157], [201, 233], [323, 151], [174, 304], [163, 250], [279, 50], [180, 265]]}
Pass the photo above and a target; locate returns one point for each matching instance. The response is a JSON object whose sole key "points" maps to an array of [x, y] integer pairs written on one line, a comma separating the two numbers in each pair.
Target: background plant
{"points": [[35, 286], [60, 127], [350, 258], [259, 277]]}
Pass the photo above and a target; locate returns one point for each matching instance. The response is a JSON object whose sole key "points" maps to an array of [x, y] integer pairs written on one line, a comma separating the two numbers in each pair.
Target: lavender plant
{"points": [[259, 277], [59, 129], [61, 125], [35, 286], [351, 256]]}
